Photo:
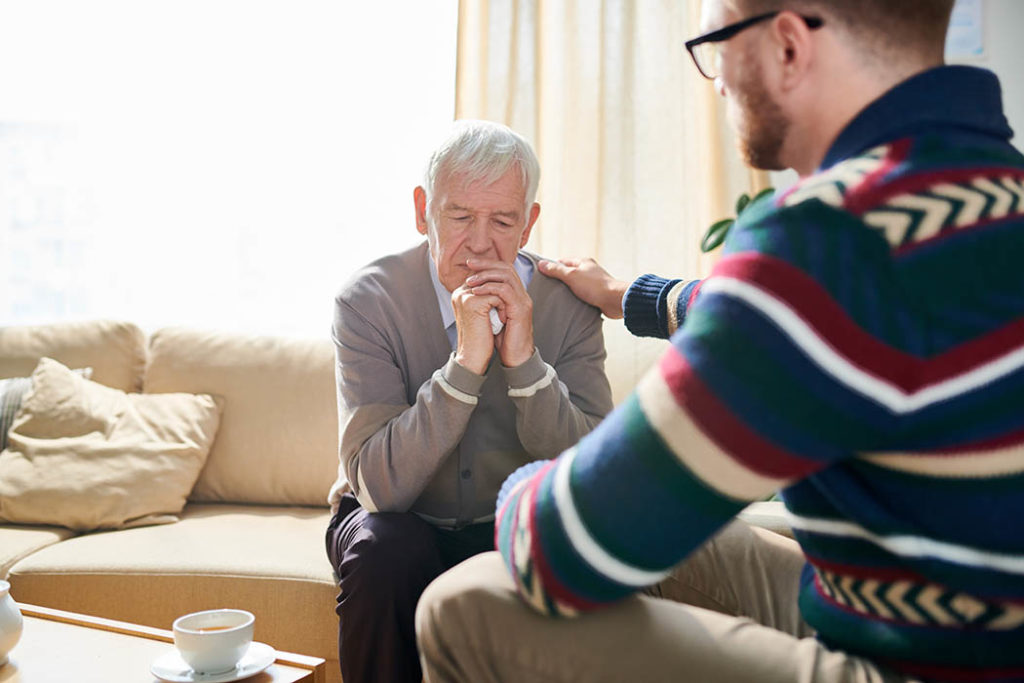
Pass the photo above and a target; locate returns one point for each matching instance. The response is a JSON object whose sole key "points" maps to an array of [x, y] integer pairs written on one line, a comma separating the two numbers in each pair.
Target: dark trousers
{"points": [[384, 561]]}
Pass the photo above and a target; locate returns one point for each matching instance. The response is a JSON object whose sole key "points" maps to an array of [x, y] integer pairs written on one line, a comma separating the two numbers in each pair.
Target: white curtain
{"points": [[636, 160]]}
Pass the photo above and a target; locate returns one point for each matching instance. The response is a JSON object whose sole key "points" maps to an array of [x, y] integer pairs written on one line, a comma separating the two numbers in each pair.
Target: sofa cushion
{"points": [[116, 351], [86, 456], [277, 443], [18, 542], [268, 560], [12, 392]]}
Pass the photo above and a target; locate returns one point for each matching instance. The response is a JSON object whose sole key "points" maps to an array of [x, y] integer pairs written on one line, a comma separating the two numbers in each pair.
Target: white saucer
{"points": [[171, 667]]}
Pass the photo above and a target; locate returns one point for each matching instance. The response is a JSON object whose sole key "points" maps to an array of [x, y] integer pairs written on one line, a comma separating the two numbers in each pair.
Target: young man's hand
{"points": [[589, 282]]}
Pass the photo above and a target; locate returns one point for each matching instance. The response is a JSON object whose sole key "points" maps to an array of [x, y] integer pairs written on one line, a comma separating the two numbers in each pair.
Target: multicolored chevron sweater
{"points": [[860, 348]]}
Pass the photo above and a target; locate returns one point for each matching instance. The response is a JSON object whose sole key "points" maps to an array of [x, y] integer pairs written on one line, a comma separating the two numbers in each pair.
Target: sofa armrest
{"points": [[769, 515]]}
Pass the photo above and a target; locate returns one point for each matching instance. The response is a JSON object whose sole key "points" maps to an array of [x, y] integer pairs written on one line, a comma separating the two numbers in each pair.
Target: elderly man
{"points": [[437, 404], [859, 346]]}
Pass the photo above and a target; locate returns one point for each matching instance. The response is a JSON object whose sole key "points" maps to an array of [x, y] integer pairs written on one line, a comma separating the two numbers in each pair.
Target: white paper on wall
{"points": [[966, 39]]}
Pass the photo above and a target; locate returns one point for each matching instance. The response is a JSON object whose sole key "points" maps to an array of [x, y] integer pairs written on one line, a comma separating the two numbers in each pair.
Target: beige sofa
{"points": [[251, 534]]}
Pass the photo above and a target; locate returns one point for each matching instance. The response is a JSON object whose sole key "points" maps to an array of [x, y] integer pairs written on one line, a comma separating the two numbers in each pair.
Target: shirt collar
{"points": [[522, 264], [962, 97]]}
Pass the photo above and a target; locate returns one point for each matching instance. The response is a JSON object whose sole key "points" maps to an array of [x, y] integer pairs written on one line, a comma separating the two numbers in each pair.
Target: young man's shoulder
{"points": [[911, 189]]}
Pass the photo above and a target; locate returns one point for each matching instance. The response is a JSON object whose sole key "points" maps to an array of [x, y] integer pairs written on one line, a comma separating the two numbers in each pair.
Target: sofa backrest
{"points": [[278, 439], [277, 443], [116, 351]]}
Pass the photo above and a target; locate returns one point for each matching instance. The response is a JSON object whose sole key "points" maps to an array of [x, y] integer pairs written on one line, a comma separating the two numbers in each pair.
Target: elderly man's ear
{"points": [[419, 198], [535, 213]]}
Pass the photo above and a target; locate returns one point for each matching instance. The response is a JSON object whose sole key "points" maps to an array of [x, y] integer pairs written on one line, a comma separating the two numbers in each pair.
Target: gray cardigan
{"points": [[420, 432]]}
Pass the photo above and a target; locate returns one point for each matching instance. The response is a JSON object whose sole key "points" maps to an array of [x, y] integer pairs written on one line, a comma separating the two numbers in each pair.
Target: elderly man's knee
{"points": [[385, 553]]}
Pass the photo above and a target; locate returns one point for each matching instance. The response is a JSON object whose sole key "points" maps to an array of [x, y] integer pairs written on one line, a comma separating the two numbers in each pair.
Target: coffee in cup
{"points": [[213, 641]]}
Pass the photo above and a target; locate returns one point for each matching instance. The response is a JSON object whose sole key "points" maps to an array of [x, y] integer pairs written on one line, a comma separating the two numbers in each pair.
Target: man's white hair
{"points": [[482, 151]]}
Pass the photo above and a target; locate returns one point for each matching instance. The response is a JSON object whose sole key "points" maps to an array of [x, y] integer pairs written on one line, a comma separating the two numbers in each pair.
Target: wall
{"points": [[1004, 54]]}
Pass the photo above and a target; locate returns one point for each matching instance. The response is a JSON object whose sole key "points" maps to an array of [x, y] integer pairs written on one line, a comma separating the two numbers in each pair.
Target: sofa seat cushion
{"points": [[268, 560], [18, 542]]}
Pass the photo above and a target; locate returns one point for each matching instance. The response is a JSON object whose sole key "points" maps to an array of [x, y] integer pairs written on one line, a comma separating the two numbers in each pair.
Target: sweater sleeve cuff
{"points": [[461, 382], [641, 305], [526, 375], [524, 472]]}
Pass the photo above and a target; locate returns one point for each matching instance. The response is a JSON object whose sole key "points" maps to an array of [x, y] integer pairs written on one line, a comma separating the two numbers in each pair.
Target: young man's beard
{"points": [[763, 126]]}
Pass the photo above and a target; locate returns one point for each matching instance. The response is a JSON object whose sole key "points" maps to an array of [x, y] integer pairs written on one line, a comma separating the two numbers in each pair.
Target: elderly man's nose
{"points": [[479, 241]]}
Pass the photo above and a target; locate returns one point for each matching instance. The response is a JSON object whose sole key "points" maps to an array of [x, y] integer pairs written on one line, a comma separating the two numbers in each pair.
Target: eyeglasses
{"points": [[706, 49]]}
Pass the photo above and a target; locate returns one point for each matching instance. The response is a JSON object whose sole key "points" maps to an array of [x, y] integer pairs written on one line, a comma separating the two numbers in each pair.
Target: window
{"points": [[214, 163]]}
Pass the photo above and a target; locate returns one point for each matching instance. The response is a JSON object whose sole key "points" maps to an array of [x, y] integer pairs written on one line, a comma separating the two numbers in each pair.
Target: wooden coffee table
{"points": [[57, 647]]}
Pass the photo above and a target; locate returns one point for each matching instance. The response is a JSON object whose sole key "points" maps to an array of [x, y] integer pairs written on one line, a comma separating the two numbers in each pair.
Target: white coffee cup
{"points": [[215, 640]]}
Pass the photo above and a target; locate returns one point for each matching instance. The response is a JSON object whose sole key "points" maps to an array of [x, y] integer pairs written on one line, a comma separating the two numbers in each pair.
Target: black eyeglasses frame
{"points": [[727, 32]]}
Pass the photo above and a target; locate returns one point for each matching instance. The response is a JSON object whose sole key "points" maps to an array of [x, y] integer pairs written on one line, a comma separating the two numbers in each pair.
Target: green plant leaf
{"points": [[742, 202], [716, 234]]}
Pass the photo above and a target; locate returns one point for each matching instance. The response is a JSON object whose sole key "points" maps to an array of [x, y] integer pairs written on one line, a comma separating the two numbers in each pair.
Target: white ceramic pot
{"points": [[10, 622]]}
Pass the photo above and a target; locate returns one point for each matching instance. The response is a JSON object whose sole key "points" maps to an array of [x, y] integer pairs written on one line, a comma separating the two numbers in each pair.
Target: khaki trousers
{"points": [[728, 613]]}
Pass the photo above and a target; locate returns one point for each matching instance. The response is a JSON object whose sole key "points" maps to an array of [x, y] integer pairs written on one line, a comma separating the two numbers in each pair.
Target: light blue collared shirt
{"points": [[523, 266]]}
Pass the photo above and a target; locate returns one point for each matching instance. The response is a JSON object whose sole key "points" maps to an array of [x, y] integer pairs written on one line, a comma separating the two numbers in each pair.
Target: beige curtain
{"points": [[636, 158]]}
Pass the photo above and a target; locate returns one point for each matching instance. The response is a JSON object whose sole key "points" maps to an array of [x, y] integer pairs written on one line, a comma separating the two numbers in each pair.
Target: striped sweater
{"points": [[860, 348]]}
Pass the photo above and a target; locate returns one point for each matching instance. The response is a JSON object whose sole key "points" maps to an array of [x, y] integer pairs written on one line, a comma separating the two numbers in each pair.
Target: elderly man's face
{"points": [[474, 220]]}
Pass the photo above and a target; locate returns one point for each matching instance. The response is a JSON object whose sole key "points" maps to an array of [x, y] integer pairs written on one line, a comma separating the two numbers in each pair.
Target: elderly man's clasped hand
{"points": [[493, 284]]}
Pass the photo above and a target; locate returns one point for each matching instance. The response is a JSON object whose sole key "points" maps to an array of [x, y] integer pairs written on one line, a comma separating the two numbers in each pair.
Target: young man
{"points": [[436, 405], [860, 347]]}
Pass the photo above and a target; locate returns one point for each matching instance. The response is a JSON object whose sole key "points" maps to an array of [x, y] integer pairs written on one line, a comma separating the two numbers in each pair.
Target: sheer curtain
{"points": [[636, 158]]}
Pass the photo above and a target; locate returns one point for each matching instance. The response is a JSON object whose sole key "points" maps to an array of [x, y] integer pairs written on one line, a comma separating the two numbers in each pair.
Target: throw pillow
{"points": [[86, 456], [12, 390]]}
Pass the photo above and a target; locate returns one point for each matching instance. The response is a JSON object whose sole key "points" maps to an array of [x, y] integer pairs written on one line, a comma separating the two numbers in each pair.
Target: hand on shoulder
{"points": [[588, 281]]}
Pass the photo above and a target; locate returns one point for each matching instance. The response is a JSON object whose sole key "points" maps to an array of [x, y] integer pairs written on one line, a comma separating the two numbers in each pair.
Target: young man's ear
{"points": [[419, 198], [534, 214], [794, 47]]}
